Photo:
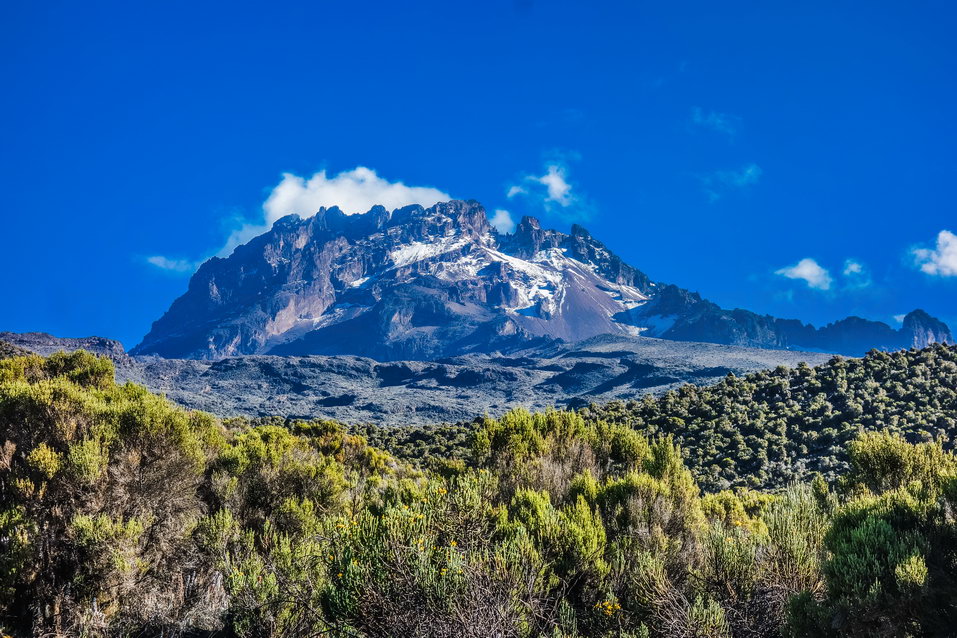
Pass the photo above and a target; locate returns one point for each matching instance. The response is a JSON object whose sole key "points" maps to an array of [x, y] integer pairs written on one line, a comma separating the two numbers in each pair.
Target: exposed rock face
{"points": [[419, 283], [8, 350], [46, 344], [921, 330]]}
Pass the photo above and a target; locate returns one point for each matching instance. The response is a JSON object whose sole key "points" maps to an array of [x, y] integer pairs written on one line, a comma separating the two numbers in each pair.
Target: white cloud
{"points": [[718, 122], [809, 271], [553, 191], [515, 190], [856, 275], [354, 192], [172, 265], [502, 221], [900, 318], [720, 182], [559, 190], [940, 260], [852, 267]]}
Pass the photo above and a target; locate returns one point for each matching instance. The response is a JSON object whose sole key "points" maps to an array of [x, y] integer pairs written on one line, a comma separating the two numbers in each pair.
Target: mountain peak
{"points": [[420, 283], [923, 330]]}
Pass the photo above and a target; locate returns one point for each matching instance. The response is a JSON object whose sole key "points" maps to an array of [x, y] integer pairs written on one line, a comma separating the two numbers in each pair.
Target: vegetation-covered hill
{"points": [[766, 429], [121, 515]]}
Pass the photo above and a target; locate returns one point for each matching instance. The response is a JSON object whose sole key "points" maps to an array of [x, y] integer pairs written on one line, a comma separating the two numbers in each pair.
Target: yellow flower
{"points": [[453, 543]]}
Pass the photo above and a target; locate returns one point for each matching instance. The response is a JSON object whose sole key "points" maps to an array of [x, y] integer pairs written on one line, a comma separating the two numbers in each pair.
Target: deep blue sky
{"points": [[709, 144]]}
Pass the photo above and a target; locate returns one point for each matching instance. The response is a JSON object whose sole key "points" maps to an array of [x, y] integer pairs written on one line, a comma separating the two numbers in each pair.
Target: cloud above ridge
{"points": [[554, 192], [502, 221], [940, 260], [809, 271], [172, 264], [354, 192]]}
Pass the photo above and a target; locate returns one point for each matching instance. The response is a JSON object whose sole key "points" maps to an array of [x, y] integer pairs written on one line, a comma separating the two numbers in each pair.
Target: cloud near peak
{"points": [[172, 264], [502, 221], [554, 192], [940, 260], [354, 191], [810, 272], [853, 276]]}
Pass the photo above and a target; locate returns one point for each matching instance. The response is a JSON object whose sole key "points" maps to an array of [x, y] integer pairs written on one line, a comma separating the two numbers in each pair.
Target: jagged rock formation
{"points": [[419, 283]]}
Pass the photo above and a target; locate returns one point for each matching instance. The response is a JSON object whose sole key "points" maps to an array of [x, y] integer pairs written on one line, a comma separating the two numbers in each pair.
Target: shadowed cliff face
{"points": [[418, 283]]}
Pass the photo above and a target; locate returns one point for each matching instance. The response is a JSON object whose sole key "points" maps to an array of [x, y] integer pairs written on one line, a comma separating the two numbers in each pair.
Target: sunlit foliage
{"points": [[121, 514]]}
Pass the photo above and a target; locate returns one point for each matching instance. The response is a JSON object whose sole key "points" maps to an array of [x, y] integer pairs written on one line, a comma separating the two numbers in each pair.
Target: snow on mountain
{"points": [[418, 283]]}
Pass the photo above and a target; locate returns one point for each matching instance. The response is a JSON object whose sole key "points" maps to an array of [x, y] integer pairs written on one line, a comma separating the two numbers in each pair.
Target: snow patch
{"points": [[656, 325], [418, 250]]}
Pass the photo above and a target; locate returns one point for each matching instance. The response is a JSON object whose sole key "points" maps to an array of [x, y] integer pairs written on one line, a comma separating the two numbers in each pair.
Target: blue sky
{"points": [[754, 152]]}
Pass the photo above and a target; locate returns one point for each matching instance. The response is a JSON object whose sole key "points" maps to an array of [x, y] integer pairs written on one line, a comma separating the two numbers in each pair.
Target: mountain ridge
{"points": [[422, 283]]}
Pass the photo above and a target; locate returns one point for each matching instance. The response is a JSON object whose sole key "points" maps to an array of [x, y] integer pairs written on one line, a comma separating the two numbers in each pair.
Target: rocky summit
{"points": [[423, 283]]}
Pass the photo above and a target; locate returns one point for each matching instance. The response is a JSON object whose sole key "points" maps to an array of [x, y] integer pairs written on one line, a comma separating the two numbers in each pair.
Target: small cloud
{"points": [[714, 121], [181, 266], [515, 190], [852, 267], [810, 272], [559, 190], [719, 183], [502, 221], [856, 275], [900, 318], [940, 260], [553, 191]]}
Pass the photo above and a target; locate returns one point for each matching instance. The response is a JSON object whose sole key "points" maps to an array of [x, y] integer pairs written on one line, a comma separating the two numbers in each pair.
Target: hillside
{"points": [[122, 514], [771, 427]]}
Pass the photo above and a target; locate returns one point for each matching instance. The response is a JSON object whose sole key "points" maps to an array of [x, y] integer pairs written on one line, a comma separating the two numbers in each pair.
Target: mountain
{"points": [[422, 283]]}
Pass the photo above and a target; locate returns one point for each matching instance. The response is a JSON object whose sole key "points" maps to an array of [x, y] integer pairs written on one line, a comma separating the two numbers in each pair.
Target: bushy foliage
{"points": [[772, 427], [121, 514]]}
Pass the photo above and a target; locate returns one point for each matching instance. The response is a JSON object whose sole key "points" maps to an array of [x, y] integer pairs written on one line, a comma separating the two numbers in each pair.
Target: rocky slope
{"points": [[362, 390], [419, 283]]}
